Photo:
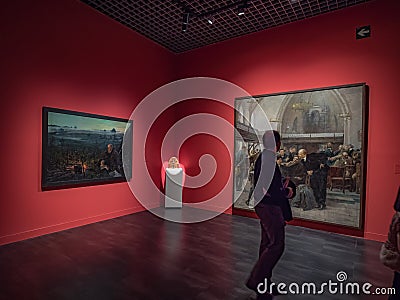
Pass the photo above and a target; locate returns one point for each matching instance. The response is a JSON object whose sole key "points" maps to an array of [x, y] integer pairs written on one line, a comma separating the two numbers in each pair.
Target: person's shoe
{"points": [[251, 285], [274, 291], [322, 206], [265, 296]]}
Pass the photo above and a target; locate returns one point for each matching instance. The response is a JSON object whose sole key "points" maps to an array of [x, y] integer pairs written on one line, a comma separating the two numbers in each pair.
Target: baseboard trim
{"points": [[375, 236], [213, 208], [32, 233]]}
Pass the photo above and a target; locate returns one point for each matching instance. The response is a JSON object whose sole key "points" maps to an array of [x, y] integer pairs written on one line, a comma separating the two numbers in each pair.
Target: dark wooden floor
{"points": [[141, 256]]}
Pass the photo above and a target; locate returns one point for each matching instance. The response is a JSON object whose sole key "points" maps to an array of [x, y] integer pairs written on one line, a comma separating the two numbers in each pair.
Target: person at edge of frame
{"points": [[392, 244]]}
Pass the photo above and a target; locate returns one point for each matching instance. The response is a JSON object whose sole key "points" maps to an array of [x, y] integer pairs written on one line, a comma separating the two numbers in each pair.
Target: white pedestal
{"points": [[173, 187]]}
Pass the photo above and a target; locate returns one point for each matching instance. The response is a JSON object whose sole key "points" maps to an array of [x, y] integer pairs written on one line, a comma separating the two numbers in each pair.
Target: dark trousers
{"points": [[318, 183], [272, 243], [396, 285]]}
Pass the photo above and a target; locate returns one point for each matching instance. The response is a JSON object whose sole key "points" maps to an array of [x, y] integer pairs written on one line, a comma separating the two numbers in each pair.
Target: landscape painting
{"points": [[323, 150], [80, 149]]}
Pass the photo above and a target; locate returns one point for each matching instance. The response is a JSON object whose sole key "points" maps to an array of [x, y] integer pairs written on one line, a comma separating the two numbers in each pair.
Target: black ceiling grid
{"points": [[161, 21]]}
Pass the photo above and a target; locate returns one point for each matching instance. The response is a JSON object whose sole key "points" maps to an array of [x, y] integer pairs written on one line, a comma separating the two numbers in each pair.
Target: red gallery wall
{"points": [[318, 52], [66, 55]]}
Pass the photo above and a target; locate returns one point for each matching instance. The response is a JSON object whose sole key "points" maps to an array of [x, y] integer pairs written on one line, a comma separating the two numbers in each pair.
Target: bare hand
{"points": [[286, 183], [290, 192]]}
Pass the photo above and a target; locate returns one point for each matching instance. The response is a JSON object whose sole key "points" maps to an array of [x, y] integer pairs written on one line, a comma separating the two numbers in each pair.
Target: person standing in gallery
{"points": [[317, 168], [390, 252], [272, 207], [241, 167]]}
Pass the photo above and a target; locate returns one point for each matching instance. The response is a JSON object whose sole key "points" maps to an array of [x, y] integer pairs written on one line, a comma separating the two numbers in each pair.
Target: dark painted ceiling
{"points": [[162, 21]]}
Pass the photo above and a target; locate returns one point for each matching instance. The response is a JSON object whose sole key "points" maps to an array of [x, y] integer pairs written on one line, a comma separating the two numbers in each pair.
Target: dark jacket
{"points": [[314, 160], [313, 163], [275, 193]]}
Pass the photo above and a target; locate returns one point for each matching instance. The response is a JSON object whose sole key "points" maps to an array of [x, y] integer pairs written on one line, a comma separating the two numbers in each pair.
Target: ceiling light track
{"points": [[189, 14]]}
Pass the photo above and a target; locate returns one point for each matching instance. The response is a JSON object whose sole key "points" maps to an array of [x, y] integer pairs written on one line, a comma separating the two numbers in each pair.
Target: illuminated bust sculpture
{"points": [[173, 163], [174, 175]]}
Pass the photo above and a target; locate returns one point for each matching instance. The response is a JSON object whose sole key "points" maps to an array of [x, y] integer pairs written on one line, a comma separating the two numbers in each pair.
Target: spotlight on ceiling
{"points": [[185, 20], [210, 20], [241, 10]]}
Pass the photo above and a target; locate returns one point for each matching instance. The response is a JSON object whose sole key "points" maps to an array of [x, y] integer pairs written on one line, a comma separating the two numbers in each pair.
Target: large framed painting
{"points": [[80, 149], [323, 150]]}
